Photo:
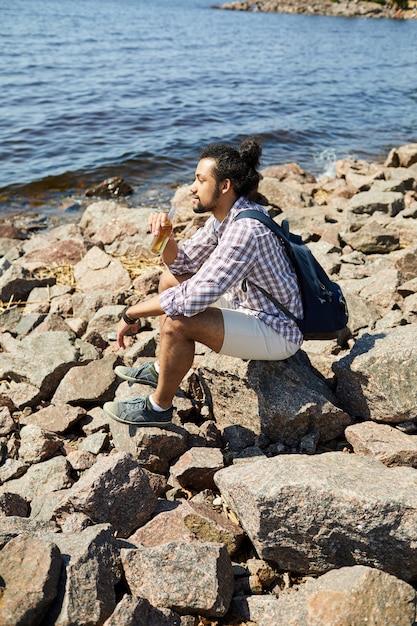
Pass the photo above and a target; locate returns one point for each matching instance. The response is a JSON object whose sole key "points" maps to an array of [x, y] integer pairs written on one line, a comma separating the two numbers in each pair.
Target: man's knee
{"points": [[206, 327], [166, 280], [174, 328]]}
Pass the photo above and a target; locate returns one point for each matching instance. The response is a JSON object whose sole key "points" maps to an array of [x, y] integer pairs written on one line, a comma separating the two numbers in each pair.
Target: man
{"points": [[207, 293]]}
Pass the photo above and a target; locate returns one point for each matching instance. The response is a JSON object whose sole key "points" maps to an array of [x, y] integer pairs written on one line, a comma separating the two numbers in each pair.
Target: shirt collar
{"points": [[240, 203]]}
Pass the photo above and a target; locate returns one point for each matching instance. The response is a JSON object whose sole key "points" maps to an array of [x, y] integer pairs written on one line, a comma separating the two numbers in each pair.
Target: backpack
{"points": [[325, 309]]}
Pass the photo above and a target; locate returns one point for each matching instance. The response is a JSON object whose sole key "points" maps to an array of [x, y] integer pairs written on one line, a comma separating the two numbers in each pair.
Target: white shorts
{"points": [[248, 337]]}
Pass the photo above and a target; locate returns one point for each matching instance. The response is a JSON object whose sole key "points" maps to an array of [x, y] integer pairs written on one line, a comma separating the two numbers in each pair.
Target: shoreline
{"points": [[347, 8], [44, 213]]}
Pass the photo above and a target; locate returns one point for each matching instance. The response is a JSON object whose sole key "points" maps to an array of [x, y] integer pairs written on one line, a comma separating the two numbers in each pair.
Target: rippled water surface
{"points": [[135, 88]]}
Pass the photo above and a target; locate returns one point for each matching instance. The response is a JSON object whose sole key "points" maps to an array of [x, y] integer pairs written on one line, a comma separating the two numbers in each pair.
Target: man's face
{"points": [[205, 190]]}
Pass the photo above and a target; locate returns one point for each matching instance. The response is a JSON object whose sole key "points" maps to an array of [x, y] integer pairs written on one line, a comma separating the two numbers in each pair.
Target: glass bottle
{"points": [[160, 241]]}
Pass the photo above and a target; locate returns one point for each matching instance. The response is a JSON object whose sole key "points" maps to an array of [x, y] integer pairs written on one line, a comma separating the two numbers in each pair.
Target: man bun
{"points": [[250, 151]]}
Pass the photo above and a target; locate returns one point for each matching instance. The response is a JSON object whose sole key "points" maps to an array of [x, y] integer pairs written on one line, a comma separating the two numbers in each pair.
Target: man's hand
{"points": [[123, 329], [156, 222]]}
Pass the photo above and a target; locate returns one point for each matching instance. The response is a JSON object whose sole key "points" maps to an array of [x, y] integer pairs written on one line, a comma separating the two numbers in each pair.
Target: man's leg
{"points": [[147, 373], [167, 280], [176, 356]]}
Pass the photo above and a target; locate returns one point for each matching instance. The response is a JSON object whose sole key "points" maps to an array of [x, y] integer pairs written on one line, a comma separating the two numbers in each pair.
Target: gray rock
{"points": [[409, 309], [114, 186], [90, 570], [403, 156], [13, 526], [30, 573], [37, 445], [349, 595], [372, 239], [27, 323], [92, 382], [281, 194], [105, 320], [56, 418], [132, 611], [153, 448], [383, 442], [40, 479], [408, 288], [7, 424], [95, 443], [144, 346], [12, 504], [56, 352], [12, 468], [311, 514], [17, 282], [115, 490], [369, 202], [284, 400], [85, 305], [162, 575], [97, 270], [52, 250], [100, 213], [378, 379], [81, 460], [195, 468], [10, 317], [94, 420], [40, 298], [407, 263], [381, 289], [188, 521]]}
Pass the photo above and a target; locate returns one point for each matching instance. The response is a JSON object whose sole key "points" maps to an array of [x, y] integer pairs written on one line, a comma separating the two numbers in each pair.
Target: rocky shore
{"points": [[340, 8], [283, 492]]}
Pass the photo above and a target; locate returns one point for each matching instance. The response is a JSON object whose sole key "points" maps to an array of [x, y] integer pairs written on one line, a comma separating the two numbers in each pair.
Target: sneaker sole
{"points": [[130, 379], [132, 423]]}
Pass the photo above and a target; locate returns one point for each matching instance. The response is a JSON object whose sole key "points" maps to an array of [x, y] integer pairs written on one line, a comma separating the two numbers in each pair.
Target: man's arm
{"points": [[146, 308], [171, 250]]}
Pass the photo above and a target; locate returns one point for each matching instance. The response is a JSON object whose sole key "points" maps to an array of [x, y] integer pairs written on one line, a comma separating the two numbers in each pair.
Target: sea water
{"points": [[136, 88]]}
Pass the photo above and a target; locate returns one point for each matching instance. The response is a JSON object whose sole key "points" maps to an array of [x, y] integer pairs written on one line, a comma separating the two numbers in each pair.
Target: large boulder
{"points": [[311, 514], [284, 400]]}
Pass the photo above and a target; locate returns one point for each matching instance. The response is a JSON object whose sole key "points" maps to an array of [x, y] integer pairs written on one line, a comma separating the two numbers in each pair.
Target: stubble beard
{"points": [[201, 209], [207, 208]]}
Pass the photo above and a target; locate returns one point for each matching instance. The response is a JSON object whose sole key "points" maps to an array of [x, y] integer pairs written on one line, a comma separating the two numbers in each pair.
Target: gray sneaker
{"points": [[138, 412], [145, 374]]}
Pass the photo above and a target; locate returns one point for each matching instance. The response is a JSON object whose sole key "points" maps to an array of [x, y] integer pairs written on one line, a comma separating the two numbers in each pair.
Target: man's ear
{"points": [[226, 185]]}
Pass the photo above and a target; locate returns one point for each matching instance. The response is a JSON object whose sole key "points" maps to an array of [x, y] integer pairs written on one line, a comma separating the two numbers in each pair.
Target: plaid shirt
{"points": [[221, 256]]}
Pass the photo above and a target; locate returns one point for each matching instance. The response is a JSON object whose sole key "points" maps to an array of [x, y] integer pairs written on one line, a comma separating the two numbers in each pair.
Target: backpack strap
{"points": [[265, 219], [283, 233], [270, 297]]}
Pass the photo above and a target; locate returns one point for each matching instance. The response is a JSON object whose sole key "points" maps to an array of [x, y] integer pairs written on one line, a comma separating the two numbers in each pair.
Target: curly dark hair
{"points": [[240, 165]]}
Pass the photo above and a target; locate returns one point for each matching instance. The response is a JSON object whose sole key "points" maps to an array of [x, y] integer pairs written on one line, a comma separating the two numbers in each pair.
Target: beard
{"points": [[200, 208], [206, 208]]}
